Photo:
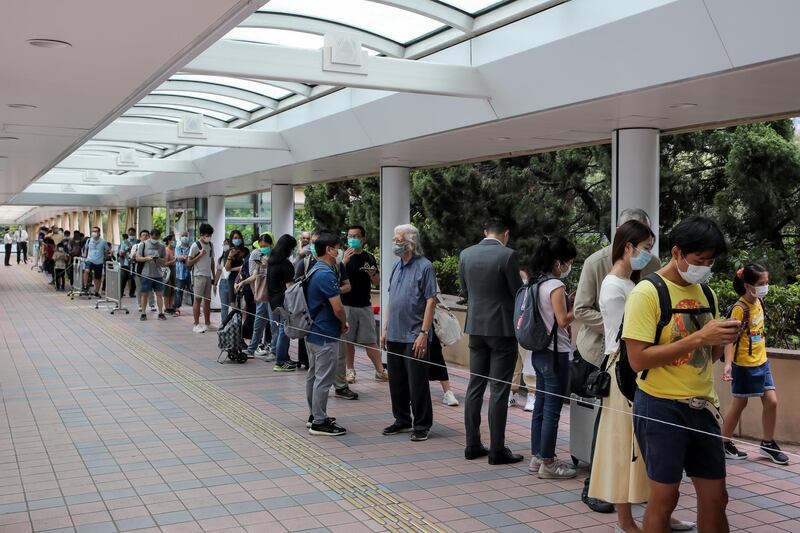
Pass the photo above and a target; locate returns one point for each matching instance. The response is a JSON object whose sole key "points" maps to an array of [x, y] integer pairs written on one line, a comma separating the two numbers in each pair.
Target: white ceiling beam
{"points": [[295, 64], [77, 178], [285, 21], [140, 132], [86, 162], [148, 111], [217, 89], [434, 10], [201, 103]]}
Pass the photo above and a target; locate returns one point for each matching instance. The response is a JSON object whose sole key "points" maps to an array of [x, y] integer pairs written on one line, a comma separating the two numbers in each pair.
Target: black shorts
{"points": [[670, 449], [96, 270]]}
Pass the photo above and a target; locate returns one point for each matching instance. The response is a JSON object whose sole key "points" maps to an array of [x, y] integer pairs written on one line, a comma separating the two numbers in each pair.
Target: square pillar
{"points": [[282, 204], [395, 191], [216, 217], [145, 221], [85, 226]]}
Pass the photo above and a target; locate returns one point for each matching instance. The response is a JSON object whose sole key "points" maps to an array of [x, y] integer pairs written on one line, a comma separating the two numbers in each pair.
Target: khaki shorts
{"points": [[362, 325], [202, 287]]}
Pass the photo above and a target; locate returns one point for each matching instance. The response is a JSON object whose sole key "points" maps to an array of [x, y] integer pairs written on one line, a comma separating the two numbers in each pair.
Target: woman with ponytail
{"points": [[746, 364]]}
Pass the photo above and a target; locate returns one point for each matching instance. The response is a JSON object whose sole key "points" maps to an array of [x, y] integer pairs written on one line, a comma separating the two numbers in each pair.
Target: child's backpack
{"points": [[229, 338], [626, 376], [745, 326], [299, 319]]}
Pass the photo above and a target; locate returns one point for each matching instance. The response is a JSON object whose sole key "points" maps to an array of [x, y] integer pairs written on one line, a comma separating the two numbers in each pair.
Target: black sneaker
{"points": [[288, 366], [733, 453], [772, 450], [143, 317], [311, 420], [346, 394], [419, 436], [161, 316], [396, 428], [329, 428]]}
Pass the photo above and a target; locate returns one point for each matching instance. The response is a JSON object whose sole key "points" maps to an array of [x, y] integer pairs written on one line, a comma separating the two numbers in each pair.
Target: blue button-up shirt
{"points": [[181, 270], [96, 251], [410, 287], [125, 246]]}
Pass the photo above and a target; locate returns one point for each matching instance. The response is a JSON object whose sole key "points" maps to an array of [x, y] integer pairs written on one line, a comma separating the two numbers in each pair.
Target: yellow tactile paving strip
{"points": [[364, 495]]}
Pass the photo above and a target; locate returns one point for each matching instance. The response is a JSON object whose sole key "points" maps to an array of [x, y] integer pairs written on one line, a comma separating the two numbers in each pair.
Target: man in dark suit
{"points": [[489, 274]]}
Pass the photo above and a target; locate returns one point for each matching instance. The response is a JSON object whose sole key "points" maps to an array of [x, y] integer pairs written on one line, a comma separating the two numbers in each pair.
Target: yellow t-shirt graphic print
{"points": [[753, 332], [689, 375]]}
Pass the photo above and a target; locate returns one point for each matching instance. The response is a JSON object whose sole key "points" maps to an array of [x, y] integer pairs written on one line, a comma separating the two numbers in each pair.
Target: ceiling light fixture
{"points": [[49, 43], [502, 138], [8, 138], [22, 106], [683, 105]]}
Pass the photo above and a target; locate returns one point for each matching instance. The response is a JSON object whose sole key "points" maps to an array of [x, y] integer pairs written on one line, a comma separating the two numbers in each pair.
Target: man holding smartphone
{"points": [[677, 421]]}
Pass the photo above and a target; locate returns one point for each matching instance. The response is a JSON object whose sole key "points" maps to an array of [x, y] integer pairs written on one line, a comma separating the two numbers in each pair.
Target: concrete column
{"points": [[130, 219], [85, 226], [145, 221], [635, 174], [282, 200], [60, 221], [395, 210], [97, 220], [112, 227], [216, 217]]}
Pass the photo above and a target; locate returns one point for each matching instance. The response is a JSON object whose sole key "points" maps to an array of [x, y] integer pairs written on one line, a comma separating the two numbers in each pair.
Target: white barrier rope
{"points": [[468, 374]]}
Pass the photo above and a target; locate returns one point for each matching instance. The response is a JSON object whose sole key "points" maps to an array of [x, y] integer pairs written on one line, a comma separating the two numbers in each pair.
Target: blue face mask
{"points": [[265, 250], [638, 262], [237, 242], [132, 238], [184, 240], [354, 243]]}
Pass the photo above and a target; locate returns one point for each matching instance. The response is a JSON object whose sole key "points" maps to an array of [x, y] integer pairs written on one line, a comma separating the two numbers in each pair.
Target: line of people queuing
{"points": [[672, 332]]}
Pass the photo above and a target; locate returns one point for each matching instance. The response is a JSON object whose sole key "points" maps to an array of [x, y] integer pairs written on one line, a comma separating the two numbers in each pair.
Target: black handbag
{"points": [[586, 380], [598, 383]]}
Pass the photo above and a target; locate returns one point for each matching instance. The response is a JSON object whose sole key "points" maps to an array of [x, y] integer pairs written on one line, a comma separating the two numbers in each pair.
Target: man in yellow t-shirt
{"points": [[676, 422]]}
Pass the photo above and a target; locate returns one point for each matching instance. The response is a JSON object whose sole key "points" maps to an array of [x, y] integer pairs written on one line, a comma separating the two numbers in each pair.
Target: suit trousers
{"points": [[493, 358], [409, 387], [22, 248]]}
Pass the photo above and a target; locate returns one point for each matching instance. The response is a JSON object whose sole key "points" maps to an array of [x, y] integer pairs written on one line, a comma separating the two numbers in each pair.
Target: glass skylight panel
{"points": [[294, 39], [190, 109], [473, 6], [263, 89], [397, 24], [228, 100]]}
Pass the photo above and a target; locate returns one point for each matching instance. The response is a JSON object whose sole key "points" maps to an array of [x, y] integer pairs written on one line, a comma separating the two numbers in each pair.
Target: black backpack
{"points": [[626, 376]]}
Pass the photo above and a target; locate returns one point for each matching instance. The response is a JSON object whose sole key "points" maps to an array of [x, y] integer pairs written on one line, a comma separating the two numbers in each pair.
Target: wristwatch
{"points": [[426, 332]]}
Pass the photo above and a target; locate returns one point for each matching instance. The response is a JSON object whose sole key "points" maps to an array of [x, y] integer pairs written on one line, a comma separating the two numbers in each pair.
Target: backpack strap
{"points": [[746, 321], [665, 306]]}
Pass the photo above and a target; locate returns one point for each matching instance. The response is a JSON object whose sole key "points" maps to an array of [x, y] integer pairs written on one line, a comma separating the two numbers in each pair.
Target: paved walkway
{"points": [[111, 424]]}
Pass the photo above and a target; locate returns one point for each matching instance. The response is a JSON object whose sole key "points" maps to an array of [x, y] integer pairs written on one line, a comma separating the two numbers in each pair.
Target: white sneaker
{"points": [[530, 403], [198, 329], [449, 399], [261, 351], [210, 327], [556, 470], [153, 308], [536, 463], [350, 375], [204, 328], [512, 400], [140, 309]]}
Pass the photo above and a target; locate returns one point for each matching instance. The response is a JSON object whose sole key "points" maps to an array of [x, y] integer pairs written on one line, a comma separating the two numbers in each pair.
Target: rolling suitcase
{"points": [[583, 417]]}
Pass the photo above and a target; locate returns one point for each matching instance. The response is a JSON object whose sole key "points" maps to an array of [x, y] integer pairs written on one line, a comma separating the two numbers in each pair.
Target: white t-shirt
{"points": [[548, 315], [613, 294]]}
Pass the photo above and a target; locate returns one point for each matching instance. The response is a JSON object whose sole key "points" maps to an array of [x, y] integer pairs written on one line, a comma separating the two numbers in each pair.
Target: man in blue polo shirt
{"points": [[96, 252], [406, 335], [329, 323]]}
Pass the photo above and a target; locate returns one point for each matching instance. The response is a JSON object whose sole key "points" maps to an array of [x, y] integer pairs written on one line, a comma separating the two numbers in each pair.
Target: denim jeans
{"points": [[224, 298], [281, 345], [261, 324], [551, 386], [181, 289]]}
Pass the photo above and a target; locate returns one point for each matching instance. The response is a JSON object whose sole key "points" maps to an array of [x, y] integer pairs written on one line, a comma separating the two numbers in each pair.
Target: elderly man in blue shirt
{"points": [[96, 253], [406, 335]]}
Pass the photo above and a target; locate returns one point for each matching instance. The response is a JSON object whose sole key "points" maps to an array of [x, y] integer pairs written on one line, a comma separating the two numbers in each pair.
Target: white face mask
{"points": [[565, 274], [761, 291], [695, 274], [95, 235]]}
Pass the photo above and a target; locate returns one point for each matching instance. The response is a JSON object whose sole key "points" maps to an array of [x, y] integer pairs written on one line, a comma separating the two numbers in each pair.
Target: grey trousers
{"points": [[340, 380], [495, 358], [321, 370]]}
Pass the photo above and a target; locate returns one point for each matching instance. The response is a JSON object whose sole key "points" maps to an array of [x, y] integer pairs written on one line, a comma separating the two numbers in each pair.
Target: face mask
{"points": [[95, 235], [354, 243], [132, 238], [399, 249], [225, 247], [237, 242], [153, 241], [313, 250], [565, 274], [638, 262], [265, 250], [184, 240], [204, 239], [761, 291], [695, 274]]}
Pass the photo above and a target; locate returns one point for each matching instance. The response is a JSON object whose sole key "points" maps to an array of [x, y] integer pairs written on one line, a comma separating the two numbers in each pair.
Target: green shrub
{"points": [[447, 274], [782, 311]]}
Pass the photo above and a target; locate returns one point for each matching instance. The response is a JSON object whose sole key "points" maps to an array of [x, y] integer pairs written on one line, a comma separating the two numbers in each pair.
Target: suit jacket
{"points": [[489, 274], [587, 303]]}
